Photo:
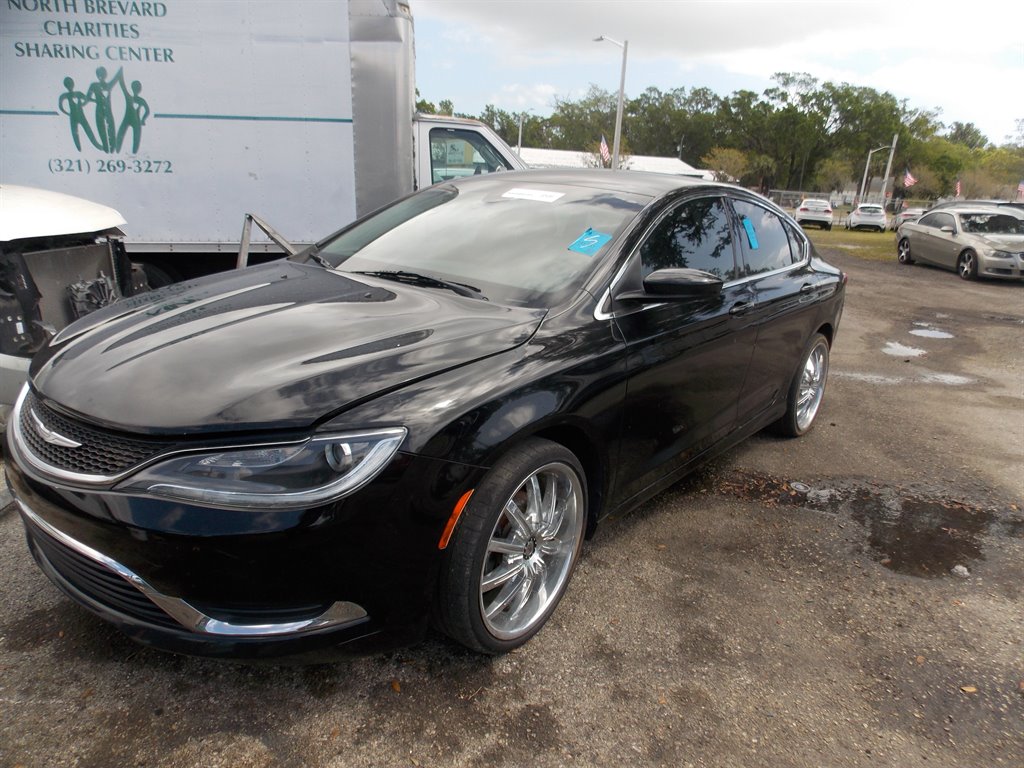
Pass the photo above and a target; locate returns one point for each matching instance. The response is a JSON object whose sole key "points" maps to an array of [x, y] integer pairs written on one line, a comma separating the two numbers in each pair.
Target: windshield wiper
{"points": [[425, 281]]}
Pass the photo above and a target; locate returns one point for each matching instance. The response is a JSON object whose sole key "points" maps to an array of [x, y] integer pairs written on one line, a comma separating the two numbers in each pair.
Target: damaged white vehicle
{"points": [[61, 257]]}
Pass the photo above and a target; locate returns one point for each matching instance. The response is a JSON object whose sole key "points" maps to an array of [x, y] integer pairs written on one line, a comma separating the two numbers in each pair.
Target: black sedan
{"points": [[418, 420]]}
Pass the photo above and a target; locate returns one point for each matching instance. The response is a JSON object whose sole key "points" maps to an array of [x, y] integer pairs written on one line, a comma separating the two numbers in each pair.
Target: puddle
{"points": [[927, 377], [921, 537], [907, 532], [931, 333], [950, 379], [896, 349], [1005, 319]]}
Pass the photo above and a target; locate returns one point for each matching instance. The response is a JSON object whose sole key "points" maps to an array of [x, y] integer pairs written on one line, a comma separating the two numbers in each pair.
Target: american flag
{"points": [[605, 154], [958, 187], [908, 179]]}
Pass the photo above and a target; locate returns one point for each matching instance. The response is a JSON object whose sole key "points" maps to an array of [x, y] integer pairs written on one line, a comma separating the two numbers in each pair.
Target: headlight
{"points": [[313, 472], [1002, 255]]}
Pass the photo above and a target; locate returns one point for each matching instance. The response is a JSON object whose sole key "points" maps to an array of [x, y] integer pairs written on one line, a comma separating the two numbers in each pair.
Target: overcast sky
{"points": [[965, 58]]}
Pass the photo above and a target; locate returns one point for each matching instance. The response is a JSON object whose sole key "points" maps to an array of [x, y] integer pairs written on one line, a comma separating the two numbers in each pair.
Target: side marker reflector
{"points": [[456, 513]]}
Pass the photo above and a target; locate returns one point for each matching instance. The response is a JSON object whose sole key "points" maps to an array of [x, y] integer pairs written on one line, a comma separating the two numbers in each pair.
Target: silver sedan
{"points": [[975, 241]]}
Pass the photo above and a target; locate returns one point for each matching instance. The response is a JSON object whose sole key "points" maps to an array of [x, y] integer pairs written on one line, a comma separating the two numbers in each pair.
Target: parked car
{"points": [[421, 416], [814, 212], [975, 203], [61, 257], [907, 214], [867, 216], [976, 241]]}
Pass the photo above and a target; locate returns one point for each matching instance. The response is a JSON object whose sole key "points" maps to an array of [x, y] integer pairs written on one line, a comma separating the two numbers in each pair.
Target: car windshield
{"points": [[815, 204], [514, 242], [871, 209], [992, 224]]}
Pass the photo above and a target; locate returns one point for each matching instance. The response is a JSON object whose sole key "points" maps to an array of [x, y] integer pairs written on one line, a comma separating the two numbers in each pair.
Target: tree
{"points": [[833, 173], [968, 135], [726, 164]]}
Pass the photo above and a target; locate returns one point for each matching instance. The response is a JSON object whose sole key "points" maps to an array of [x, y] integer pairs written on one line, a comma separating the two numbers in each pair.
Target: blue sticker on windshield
{"points": [[751, 235], [589, 242]]}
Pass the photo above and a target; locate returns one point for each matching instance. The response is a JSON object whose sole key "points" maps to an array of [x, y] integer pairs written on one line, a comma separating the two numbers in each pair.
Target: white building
{"points": [[563, 158]]}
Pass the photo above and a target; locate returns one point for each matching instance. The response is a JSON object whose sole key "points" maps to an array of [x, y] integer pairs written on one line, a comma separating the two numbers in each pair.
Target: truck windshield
{"points": [[516, 241]]}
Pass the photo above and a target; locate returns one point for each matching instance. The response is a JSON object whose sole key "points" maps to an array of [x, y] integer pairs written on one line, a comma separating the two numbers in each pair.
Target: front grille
{"points": [[102, 452], [97, 582]]}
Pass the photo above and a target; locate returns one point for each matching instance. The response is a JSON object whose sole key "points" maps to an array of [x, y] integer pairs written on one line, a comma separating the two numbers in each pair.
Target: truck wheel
{"points": [[514, 548]]}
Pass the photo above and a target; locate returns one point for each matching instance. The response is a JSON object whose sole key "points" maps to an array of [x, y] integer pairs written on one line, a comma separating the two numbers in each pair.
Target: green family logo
{"points": [[101, 130]]}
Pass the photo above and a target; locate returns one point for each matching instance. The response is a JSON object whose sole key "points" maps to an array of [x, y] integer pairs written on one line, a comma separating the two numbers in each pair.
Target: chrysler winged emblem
{"points": [[53, 438]]}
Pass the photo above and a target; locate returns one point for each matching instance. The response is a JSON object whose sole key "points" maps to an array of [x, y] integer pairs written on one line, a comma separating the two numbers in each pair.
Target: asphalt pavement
{"points": [[851, 598]]}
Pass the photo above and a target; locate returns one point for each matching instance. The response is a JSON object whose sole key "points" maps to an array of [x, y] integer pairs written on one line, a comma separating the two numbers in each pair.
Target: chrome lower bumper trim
{"points": [[190, 618]]}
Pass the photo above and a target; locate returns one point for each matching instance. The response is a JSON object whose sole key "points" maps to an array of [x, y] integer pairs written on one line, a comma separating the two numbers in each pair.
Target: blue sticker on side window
{"points": [[751, 235], [589, 242]]}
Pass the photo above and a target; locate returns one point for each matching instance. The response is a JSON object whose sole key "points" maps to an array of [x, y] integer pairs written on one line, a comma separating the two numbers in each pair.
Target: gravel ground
{"points": [[792, 604]]}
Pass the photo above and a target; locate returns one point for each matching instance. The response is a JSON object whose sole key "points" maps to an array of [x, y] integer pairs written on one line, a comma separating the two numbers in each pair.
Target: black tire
{"points": [[903, 255], [967, 265], [829, 227], [806, 390], [540, 544]]}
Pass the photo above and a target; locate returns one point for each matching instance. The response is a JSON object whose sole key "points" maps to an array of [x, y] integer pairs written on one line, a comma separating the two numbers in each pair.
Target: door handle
{"points": [[740, 307], [807, 287]]}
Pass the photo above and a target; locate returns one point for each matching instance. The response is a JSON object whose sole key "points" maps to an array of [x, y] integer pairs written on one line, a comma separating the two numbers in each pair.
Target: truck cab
{"points": [[449, 148]]}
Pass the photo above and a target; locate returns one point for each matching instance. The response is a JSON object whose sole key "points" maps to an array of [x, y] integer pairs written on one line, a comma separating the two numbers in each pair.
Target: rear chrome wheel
{"points": [[514, 549], [903, 252], [807, 390]]}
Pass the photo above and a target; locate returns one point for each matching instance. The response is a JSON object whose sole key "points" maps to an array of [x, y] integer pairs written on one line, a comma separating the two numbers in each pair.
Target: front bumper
{"points": [[1002, 269], [359, 573]]}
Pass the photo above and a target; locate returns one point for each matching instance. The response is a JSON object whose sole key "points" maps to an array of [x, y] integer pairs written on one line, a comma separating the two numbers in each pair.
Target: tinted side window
{"points": [[796, 244], [937, 220], [765, 241], [696, 235]]}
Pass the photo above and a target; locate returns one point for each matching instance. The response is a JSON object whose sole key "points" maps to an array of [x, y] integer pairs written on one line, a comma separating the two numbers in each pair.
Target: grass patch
{"points": [[874, 246]]}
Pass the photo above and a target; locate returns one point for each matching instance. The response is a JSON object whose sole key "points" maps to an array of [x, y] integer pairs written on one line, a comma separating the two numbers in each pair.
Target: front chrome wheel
{"points": [[514, 548], [903, 251], [530, 551], [967, 265]]}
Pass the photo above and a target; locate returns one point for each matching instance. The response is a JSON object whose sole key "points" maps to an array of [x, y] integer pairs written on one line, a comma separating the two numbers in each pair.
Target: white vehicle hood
{"points": [[30, 212]]}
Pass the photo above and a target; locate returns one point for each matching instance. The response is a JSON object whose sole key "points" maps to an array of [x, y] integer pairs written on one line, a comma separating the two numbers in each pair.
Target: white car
{"points": [[60, 257], [812, 211], [867, 216]]}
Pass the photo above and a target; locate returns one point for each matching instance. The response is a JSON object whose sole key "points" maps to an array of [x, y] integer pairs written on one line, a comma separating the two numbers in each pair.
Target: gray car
{"points": [[978, 241]]}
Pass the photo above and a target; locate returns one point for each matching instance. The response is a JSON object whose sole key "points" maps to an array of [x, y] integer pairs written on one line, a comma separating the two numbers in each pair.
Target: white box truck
{"points": [[184, 116]]}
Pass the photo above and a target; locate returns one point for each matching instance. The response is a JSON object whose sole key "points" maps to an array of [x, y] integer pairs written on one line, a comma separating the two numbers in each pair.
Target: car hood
{"points": [[281, 345], [28, 212], [1003, 242]]}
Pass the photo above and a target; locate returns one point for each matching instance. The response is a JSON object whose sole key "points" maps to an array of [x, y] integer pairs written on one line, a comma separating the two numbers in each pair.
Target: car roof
{"points": [[987, 209], [633, 182]]}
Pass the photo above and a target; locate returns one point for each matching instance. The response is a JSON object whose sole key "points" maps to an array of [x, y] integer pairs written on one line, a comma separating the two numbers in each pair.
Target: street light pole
{"points": [[888, 167], [622, 88], [864, 182]]}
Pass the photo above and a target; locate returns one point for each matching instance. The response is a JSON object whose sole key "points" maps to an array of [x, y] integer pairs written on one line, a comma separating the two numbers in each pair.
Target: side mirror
{"points": [[667, 284], [948, 229]]}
